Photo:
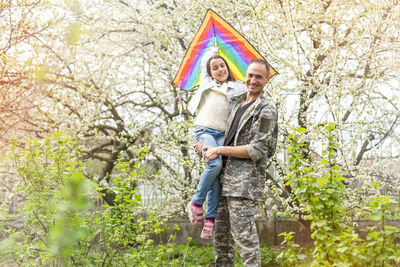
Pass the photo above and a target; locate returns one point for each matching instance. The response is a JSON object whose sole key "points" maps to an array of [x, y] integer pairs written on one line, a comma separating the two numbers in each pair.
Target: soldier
{"points": [[250, 141]]}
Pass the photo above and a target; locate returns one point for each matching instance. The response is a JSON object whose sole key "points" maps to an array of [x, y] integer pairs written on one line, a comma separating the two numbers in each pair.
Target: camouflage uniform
{"points": [[243, 182]]}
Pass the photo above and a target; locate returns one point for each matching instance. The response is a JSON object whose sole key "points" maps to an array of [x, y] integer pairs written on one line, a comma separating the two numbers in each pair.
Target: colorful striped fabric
{"points": [[233, 47]]}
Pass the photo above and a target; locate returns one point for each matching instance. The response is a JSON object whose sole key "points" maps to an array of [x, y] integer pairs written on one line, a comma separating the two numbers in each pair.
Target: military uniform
{"points": [[243, 182]]}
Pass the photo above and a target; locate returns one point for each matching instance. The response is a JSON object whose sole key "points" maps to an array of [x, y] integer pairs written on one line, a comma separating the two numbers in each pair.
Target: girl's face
{"points": [[219, 70]]}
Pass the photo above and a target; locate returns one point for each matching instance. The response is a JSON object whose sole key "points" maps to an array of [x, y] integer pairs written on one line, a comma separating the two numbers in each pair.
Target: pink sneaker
{"points": [[208, 230], [195, 215]]}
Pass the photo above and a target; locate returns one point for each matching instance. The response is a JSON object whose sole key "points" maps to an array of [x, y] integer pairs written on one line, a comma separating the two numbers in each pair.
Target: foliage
{"points": [[101, 70], [63, 227], [321, 194], [292, 254], [191, 254]]}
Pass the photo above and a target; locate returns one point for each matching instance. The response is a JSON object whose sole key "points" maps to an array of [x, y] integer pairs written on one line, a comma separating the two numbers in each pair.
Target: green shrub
{"points": [[320, 188], [62, 227]]}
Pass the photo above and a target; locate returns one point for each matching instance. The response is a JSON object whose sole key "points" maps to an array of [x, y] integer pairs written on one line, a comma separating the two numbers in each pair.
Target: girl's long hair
{"points": [[230, 75]]}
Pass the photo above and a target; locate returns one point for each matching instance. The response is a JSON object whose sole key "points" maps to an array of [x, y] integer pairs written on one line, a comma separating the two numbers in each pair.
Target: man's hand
{"points": [[211, 153], [197, 147]]}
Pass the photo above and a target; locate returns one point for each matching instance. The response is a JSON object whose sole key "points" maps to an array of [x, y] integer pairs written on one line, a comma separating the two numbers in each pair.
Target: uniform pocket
{"points": [[264, 125]]}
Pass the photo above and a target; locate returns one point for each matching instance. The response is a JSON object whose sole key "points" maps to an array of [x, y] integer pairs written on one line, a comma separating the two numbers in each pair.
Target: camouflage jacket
{"points": [[258, 130]]}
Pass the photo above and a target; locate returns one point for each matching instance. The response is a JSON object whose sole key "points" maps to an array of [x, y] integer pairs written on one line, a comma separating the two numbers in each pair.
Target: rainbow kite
{"points": [[233, 47]]}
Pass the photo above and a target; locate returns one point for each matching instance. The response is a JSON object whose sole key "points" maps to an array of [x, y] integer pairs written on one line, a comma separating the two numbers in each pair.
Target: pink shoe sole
{"points": [[208, 230], [195, 216]]}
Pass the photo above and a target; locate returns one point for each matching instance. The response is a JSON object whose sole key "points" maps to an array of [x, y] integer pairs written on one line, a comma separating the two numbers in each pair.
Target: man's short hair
{"points": [[263, 62]]}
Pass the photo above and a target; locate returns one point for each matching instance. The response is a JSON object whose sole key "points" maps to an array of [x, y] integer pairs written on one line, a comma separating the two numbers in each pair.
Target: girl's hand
{"points": [[197, 147]]}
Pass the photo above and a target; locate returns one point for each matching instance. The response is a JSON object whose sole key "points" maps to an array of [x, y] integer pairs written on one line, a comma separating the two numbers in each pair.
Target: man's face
{"points": [[256, 78]]}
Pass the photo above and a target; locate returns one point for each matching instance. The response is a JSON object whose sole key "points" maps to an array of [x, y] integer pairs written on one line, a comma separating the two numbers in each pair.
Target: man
{"points": [[249, 142]]}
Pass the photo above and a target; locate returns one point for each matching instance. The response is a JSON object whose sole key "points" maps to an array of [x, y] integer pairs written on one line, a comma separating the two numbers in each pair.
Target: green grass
{"points": [[170, 255], [193, 255]]}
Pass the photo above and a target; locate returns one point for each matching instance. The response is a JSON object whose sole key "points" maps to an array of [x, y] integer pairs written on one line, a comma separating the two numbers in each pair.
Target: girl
{"points": [[212, 103]]}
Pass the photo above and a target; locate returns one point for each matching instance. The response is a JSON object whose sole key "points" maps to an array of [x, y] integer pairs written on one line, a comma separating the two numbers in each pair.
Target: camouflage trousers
{"points": [[235, 224]]}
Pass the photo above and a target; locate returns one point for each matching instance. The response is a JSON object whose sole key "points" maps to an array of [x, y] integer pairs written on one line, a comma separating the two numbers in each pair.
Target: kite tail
{"points": [[180, 106]]}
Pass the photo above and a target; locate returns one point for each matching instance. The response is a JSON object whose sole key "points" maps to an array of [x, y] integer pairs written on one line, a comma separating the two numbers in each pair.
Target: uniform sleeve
{"points": [[265, 130], [210, 52]]}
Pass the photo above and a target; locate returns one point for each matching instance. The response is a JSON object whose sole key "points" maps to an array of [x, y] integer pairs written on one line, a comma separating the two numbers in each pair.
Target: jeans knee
{"points": [[215, 164]]}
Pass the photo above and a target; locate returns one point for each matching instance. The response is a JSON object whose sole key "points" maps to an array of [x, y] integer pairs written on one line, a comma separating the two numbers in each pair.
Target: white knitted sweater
{"points": [[213, 109]]}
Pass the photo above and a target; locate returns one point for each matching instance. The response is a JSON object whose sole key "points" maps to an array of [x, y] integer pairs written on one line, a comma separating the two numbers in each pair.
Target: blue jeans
{"points": [[209, 185]]}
